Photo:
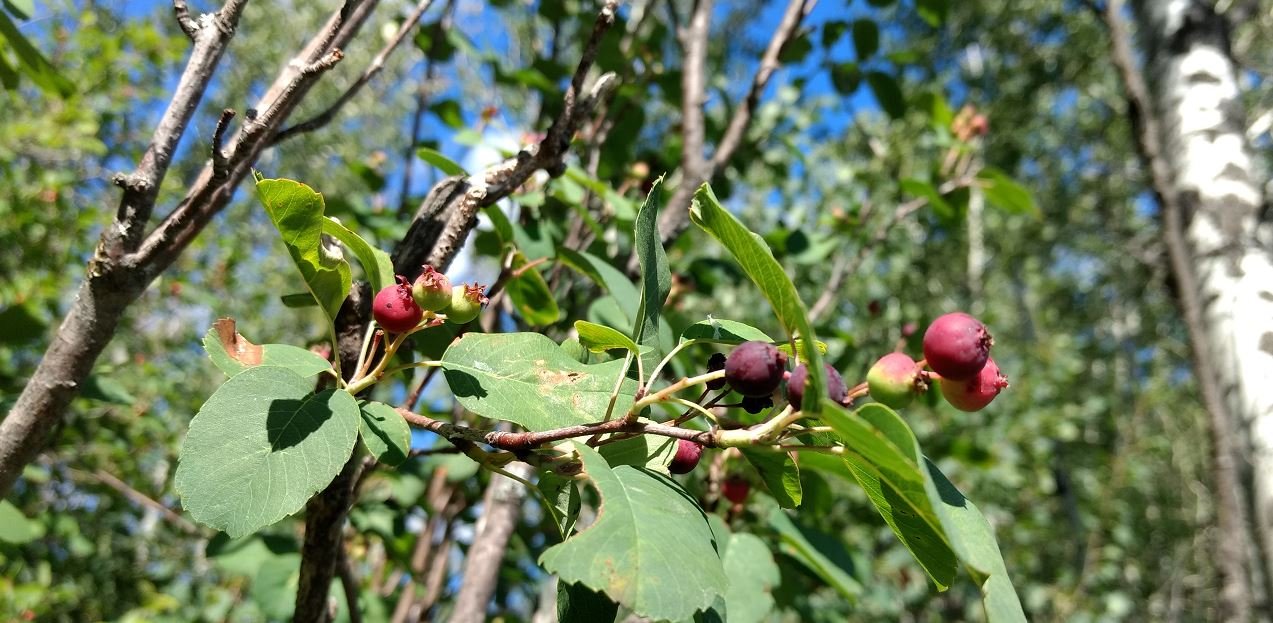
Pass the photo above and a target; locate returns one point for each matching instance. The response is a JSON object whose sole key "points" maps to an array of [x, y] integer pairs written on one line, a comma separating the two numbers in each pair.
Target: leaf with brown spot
{"points": [[232, 353]]}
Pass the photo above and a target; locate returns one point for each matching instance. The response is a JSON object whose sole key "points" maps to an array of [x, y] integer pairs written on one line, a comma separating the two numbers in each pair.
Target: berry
{"points": [[756, 404], [735, 489], [466, 303], [795, 385], [394, 309], [909, 329], [894, 380], [432, 290], [956, 346], [755, 368], [974, 394], [716, 362], [687, 456]]}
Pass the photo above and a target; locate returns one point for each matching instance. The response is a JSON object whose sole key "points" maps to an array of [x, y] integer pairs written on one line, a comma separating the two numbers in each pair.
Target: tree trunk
{"points": [[1216, 219]]}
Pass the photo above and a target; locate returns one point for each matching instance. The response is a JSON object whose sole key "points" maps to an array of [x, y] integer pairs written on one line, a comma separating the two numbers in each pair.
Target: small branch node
{"points": [[188, 24]]}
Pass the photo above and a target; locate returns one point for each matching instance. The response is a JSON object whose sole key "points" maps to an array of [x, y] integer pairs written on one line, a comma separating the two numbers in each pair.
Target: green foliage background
{"points": [[1091, 467]]}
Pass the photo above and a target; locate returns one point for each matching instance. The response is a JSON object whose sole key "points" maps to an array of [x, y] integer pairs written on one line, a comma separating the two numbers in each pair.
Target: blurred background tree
{"points": [[906, 159]]}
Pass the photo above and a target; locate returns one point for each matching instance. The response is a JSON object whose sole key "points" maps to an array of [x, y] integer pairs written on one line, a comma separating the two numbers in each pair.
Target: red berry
{"points": [[957, 345], [795, 385], [894, 380], [975, 393], [394, 309], [687, 456], [755, 368], [735, 489], [909, 329]]}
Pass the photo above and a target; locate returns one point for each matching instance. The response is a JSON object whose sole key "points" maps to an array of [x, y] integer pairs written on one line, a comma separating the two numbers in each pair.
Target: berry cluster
{"points": [[400, 307], [956, 355]]}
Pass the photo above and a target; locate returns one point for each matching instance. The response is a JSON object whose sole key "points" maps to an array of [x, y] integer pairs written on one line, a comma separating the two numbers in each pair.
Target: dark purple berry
{"points": [[974, 394], [795, 385], [756, 404], [957, 346], [755, 368], [716, 362], [687, 455]]}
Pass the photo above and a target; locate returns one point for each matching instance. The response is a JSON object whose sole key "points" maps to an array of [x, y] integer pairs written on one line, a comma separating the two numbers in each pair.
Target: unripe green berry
{"points": [[432, 290], [894, 380], [466, 303]]}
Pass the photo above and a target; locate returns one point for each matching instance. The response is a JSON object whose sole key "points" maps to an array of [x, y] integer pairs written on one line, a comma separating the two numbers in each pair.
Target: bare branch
{"points": [[220, 161], [525, 441], [141, 499], [182, 11], [795, 13], [695, 168], [501, 509], [141, 187], [373, 68], [349, 584]]}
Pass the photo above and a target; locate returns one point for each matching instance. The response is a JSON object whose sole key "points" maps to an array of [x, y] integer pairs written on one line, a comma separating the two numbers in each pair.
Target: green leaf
{"points": [[232, 354], [599, 338], [385, 433], [106, 389], [757, 261], [8, 75], [298, 300], [718, 331], [650, 548], [921, 189], [576, 603], [832, 31], [932, 11], [15, 527], [503, 226], [931, 517], [32, 63], [753, 575], [796, 543], [606, 276], [887, 93], [846, 78], [449, 112], [22, 9], [446, 165], [530, 295], [297, 212], [656, 277], [1005, 193], [261, 446], [649, 451], [525, 378], [779, 473], [866, 38], [566, 501], [375, 263], [274, 587], [20, 324]]}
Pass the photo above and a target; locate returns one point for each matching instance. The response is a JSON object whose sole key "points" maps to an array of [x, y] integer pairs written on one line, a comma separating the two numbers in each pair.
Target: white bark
{"points": [[1194, 80]]}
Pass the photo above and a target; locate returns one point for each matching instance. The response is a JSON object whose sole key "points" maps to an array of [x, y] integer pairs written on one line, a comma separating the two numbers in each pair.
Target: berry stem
{"points": [[654, 375], [665, 393], [695, 407]]}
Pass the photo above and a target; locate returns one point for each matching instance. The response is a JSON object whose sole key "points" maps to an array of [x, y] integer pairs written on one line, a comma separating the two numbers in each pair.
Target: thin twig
{"points": [[141, 499], [376, 65], [188, 25], [220, 160], [349, 583], [525, 441]]}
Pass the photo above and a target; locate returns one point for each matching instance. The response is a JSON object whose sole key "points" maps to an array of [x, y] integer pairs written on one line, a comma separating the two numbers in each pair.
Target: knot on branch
{"points": [[132, 182]]}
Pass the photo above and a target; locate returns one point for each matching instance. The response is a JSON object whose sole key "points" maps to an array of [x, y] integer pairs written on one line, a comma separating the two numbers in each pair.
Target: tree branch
{"points": [[695, 168], [1232, 535], [523, 442], [376, 65], [501, 507], [141, 499], [182, 12]]}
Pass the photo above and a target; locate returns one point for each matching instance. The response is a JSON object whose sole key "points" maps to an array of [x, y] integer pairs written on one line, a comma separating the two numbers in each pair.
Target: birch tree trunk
{"points": [[1219, 218]]}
